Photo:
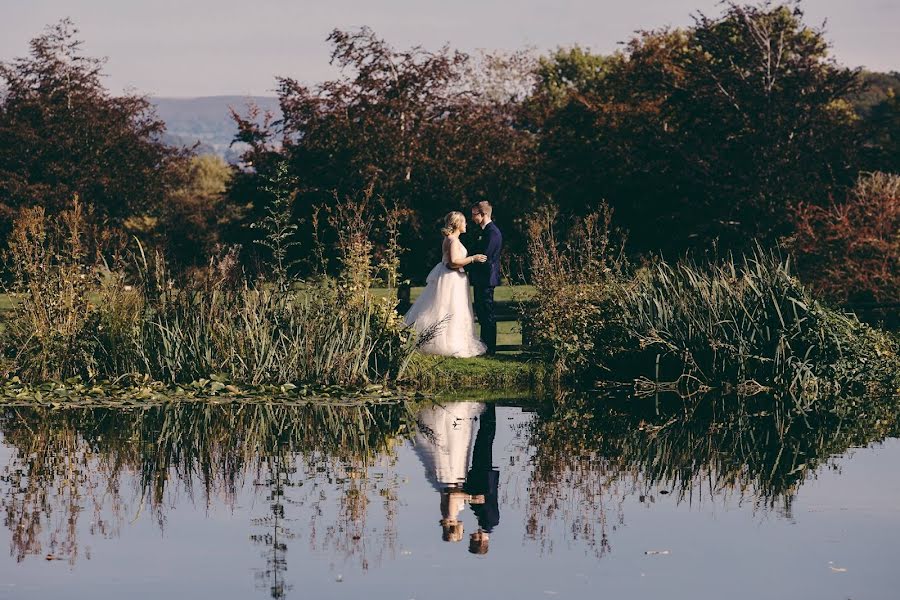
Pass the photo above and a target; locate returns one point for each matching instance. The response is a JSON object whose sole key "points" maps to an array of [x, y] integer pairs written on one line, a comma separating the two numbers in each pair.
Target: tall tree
{"points": [[62, 133], [196, 215], [711, 131], [407, 125]]}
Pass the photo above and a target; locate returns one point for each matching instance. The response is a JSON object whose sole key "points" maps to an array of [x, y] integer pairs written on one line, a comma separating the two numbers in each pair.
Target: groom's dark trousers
{"points": [[484, 310], [485, 277]]}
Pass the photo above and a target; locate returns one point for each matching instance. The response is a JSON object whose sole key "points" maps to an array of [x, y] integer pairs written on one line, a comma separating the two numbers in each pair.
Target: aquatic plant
{"points": [[76, 315], [744, 323]]}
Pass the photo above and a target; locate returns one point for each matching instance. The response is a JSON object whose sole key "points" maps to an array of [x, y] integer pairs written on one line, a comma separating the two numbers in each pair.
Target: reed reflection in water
{"points": [[328, 475], [590, 453]]}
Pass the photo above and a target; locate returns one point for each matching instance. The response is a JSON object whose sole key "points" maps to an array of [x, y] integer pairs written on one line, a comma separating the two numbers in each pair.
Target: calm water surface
{"points": [[451, 500]]}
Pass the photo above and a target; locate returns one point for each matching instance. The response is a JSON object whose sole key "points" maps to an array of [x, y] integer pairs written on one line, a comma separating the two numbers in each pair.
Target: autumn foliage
{"points": [[850, 250]]}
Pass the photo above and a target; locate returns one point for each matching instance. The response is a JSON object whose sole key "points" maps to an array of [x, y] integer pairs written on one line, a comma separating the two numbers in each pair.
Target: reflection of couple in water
{"points": [[462, 471]]}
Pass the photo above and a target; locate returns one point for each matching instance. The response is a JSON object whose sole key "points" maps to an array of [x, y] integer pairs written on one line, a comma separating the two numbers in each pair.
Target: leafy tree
{"points": [[408, 125], [876, 88], [569, 71], [714, 131], [197, 213], [62, 133], [883, 129]]}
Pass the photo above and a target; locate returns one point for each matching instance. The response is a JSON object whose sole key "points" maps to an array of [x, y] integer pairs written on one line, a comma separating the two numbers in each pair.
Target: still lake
{"points": [[642, 498]]}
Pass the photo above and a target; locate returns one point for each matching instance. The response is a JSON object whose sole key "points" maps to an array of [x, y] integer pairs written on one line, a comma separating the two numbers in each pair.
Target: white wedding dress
{"points": [[444, 441], [443, 313]]}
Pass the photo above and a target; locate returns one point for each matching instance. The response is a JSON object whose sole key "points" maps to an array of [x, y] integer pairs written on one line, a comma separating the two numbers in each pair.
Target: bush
{"points": [[76, 316], [573, 280], [743, 323], [53, 266], [850, 251]]}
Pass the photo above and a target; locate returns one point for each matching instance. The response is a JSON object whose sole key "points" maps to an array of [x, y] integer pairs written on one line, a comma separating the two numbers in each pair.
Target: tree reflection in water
{"points": [[591, 453], [581, 456]]}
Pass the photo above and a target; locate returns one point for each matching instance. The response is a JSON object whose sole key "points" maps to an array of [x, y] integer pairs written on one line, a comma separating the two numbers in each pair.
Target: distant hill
{"points": [[876, 90], [207, 120]]}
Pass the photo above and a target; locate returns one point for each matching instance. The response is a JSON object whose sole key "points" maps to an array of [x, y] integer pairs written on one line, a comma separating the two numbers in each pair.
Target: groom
{"points": [[486, 276]]}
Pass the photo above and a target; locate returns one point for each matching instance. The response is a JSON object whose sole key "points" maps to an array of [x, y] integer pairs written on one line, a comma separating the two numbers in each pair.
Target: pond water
{"points": [[636, 498]]}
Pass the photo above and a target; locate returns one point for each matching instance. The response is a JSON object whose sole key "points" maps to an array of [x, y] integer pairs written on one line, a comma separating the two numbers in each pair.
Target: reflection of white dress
{"points": [[443, 312], [444, 441]]}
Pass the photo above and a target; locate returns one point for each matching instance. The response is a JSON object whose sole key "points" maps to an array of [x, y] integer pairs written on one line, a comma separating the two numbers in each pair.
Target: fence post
{"points": [[403, 296]]}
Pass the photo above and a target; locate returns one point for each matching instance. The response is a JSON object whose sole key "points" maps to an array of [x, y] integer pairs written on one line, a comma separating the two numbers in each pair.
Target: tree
{"points": [[714, 131], [196, 214], [883, 129], [62, 133], [407, 125]]}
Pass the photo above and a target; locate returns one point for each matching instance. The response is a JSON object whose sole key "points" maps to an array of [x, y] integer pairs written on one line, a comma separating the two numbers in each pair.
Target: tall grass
{"points": [[749, 322], [745, 323], [79, 316], [262, 336]]}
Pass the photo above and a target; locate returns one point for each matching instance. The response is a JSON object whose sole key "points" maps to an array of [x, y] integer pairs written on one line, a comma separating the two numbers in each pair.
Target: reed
{"points": [[749, 323], [744, 323], [77, 316]]}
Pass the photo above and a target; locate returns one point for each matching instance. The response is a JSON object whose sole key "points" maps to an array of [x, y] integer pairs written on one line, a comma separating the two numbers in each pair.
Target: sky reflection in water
{"points": [[442, 501]]}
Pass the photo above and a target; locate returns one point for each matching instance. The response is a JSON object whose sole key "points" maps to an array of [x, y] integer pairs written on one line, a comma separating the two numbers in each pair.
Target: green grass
{"points": [[503, 293], [6, 302], [511, 371], [509, 333]]}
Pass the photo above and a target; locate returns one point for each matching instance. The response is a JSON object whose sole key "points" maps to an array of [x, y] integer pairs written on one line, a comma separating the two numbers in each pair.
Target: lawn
{"points": [[504, 294], [509, 333]]}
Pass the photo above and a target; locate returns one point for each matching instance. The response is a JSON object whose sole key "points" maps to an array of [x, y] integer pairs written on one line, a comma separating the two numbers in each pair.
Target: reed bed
{"points": [[77, 316], [750, 323], [744, 323]]}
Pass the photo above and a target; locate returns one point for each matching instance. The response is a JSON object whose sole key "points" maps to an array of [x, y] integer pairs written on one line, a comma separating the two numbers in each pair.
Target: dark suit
{"points": [[483, 478], [485, 277]]}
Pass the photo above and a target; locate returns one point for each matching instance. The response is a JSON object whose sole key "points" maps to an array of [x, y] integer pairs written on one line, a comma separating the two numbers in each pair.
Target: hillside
{"points": [[207, 120]]}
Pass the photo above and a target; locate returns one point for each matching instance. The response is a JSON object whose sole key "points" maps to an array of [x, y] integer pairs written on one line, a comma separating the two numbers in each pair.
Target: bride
{"points": [[443, 314]]}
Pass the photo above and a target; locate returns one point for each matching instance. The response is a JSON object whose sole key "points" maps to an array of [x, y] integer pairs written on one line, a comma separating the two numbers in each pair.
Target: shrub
{"points": [[744, 323], [850, 251], [54, 269], [572, 280]]}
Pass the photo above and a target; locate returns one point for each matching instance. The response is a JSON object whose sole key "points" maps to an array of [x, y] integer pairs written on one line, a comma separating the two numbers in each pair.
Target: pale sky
{"points": [[210, 47]]}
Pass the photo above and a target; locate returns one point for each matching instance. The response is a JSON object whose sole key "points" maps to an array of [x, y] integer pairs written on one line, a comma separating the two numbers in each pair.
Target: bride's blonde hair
{"points": [[453, 222]]}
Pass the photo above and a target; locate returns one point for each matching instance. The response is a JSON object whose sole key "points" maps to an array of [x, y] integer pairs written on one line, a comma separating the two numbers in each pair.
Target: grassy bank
{"points": [[501, 371]]}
